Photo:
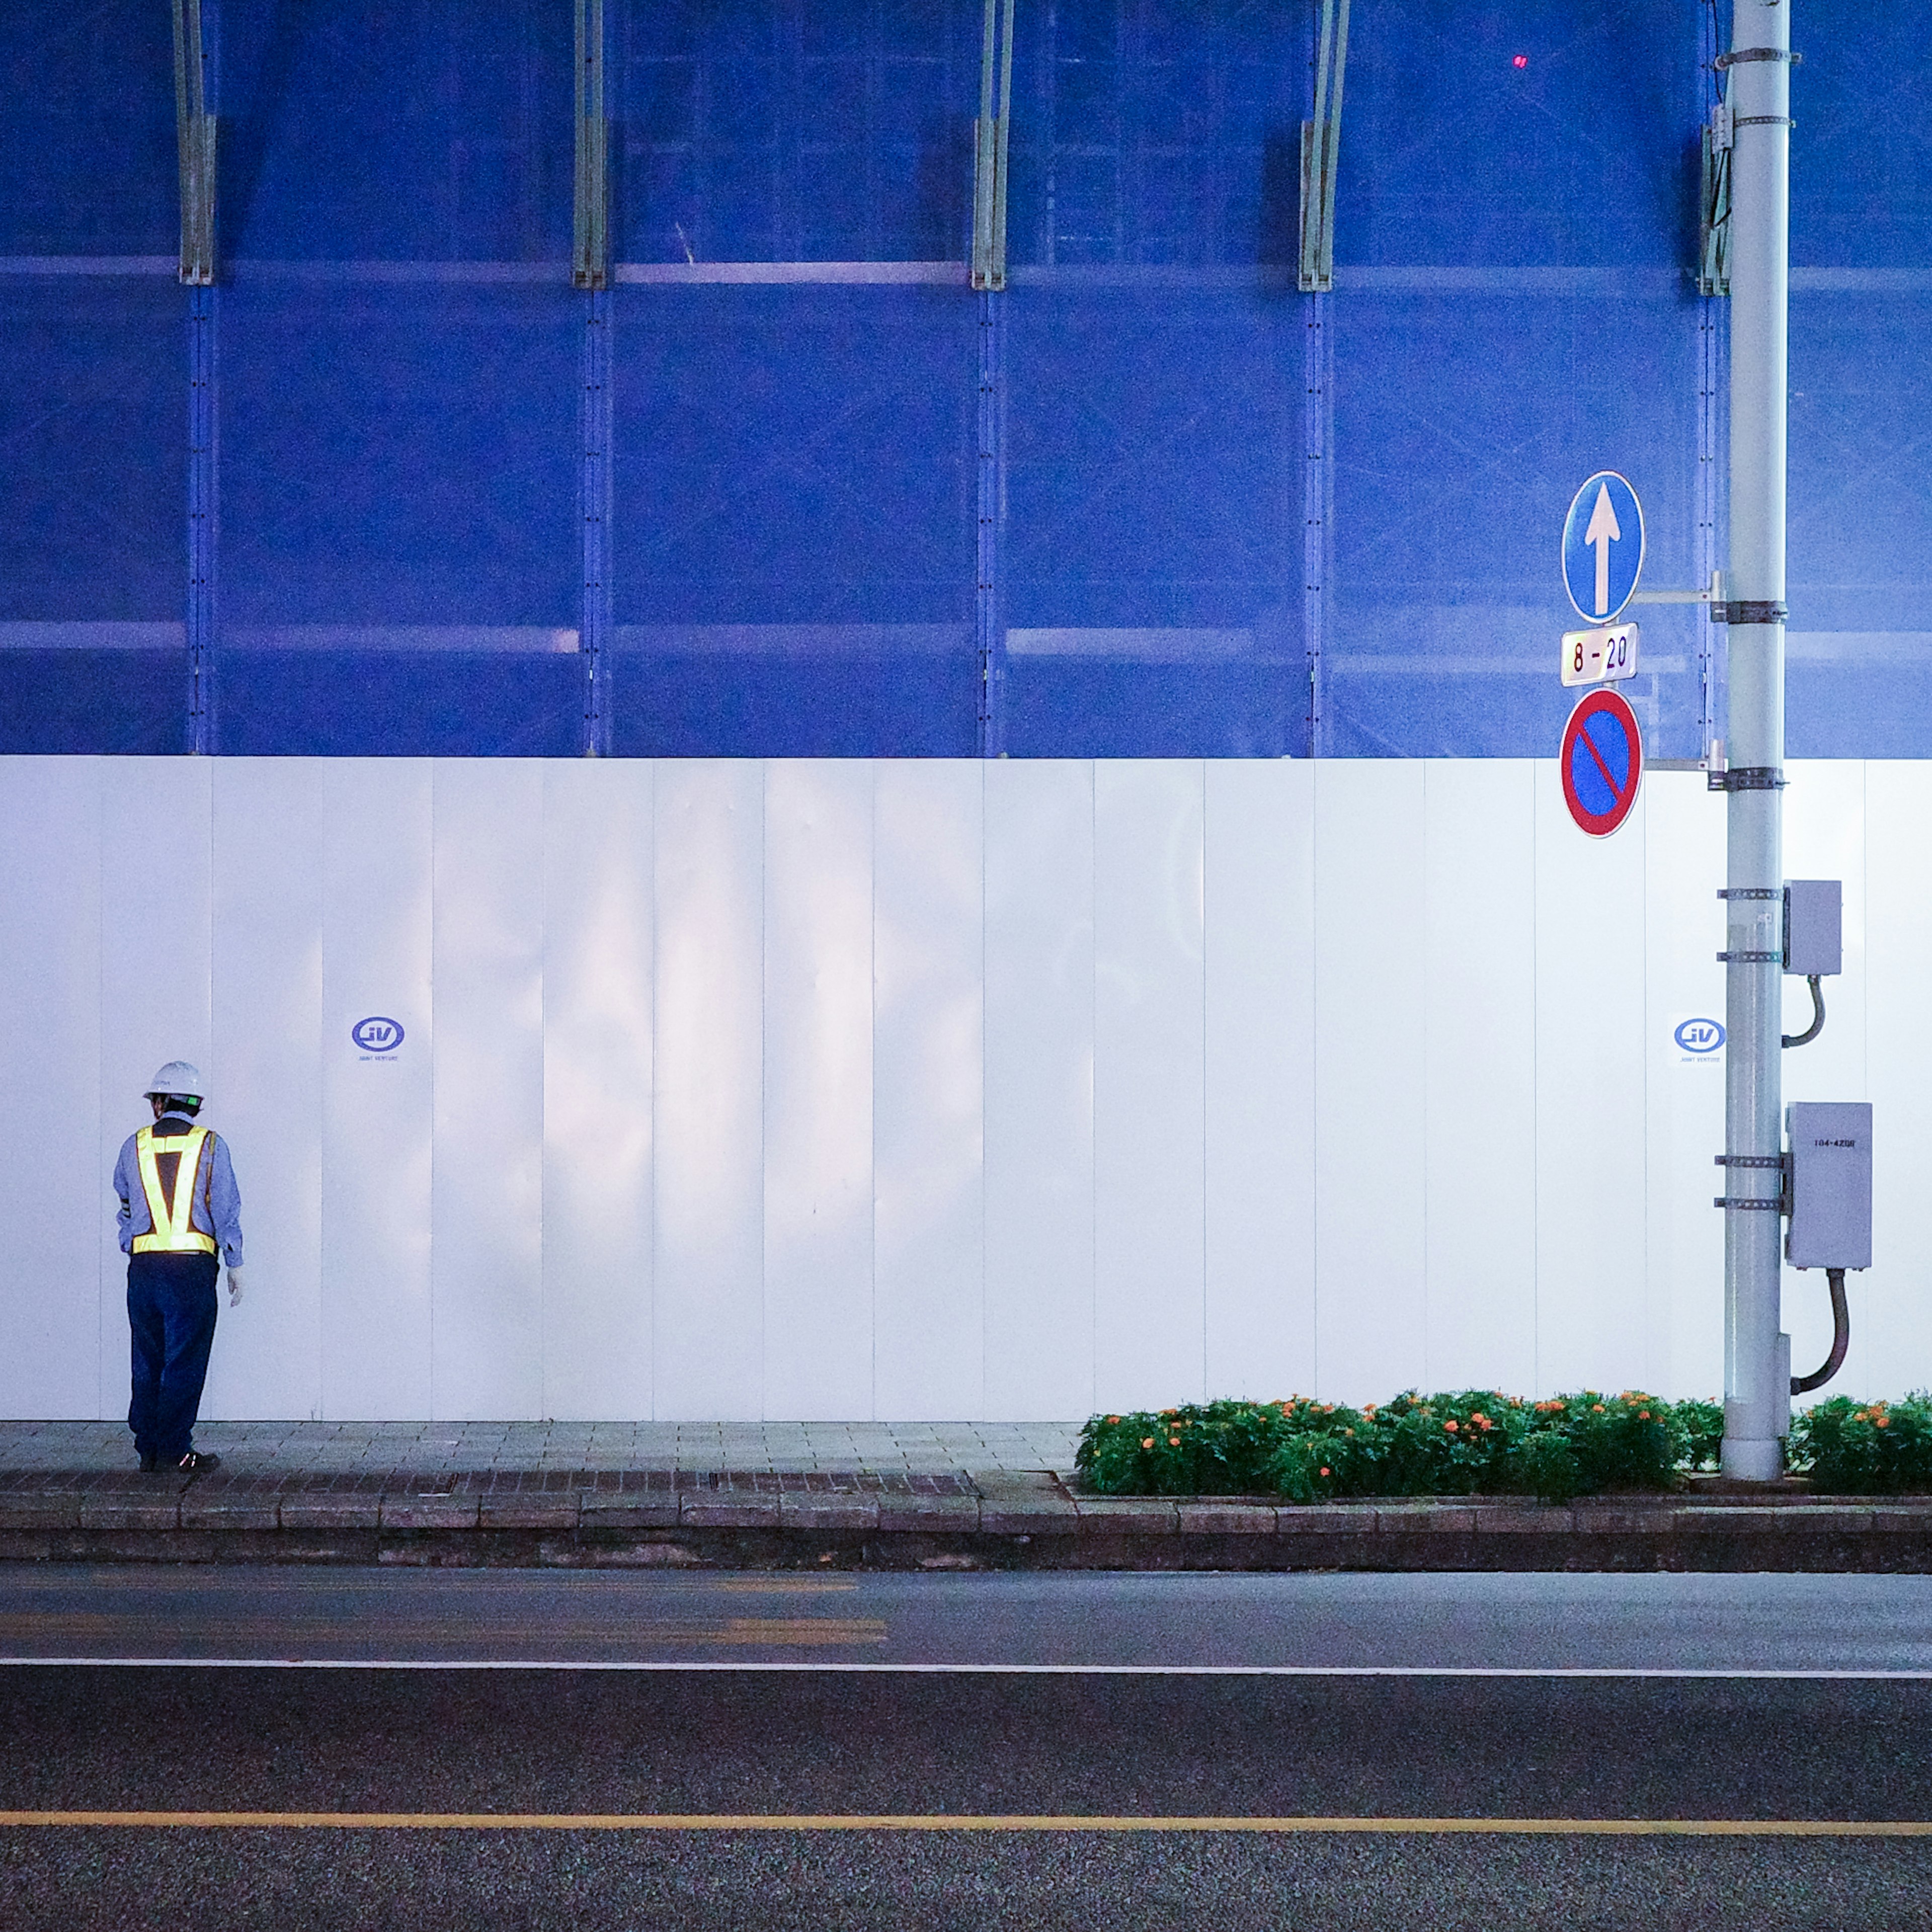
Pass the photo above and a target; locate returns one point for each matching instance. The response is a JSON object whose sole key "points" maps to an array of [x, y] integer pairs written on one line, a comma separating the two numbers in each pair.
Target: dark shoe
{"points": [[150, 1464], [198, 1462]]}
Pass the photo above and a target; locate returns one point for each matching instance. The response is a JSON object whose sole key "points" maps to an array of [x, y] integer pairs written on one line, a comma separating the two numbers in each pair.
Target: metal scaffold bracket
{"points": [[194, 137], [990, 144], [1713, 206], [590, 221], [1321, 144], [1747, 777]]}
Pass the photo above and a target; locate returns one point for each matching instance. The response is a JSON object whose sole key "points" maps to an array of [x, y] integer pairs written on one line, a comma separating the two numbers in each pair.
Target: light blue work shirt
{"points": [[224, 1197]]}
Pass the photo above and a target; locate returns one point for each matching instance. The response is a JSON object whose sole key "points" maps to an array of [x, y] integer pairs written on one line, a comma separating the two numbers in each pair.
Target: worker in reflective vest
{"points": [[181, 1219]]}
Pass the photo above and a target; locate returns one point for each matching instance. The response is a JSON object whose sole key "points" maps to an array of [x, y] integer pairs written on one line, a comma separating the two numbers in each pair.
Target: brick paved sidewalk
{"points": [[288, 1450], [962, 1495]]}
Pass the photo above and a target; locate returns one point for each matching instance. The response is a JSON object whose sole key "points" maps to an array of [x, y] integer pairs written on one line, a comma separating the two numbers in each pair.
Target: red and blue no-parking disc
{"points": [[1602, 761]]}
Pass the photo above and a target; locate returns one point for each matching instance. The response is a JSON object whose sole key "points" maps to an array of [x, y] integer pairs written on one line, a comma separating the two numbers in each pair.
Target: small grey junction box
{"points": [[1831, 1184], [1814, 928]]}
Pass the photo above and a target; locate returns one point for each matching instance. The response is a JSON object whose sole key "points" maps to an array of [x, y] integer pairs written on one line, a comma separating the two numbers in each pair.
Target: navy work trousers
{"points": [[171, 1305]]}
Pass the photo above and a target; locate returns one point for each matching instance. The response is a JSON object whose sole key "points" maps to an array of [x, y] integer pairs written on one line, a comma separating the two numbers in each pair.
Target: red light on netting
{"points": [[1521, 60]]}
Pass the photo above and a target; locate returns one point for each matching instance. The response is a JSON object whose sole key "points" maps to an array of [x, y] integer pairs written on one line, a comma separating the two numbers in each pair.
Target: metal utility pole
{"points": [[1757, 1393]]}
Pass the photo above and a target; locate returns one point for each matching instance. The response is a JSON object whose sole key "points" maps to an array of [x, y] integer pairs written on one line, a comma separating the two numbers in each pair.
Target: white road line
{"points": [[1721, 1672]]}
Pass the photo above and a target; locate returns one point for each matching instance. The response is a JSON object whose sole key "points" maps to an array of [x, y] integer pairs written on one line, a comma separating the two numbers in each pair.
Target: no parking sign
{"points": [[1602, 762]]}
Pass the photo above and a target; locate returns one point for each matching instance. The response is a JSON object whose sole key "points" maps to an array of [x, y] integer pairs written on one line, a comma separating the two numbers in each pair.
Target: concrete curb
{"points": [[1012, 1520]]}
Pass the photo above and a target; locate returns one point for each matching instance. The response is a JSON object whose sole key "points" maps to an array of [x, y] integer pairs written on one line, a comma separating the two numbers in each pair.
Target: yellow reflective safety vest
{"points": [[174, 1232]]}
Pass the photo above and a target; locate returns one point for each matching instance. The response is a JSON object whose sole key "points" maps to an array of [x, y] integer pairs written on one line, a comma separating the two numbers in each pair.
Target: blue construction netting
{"points": [[1148, 500]]}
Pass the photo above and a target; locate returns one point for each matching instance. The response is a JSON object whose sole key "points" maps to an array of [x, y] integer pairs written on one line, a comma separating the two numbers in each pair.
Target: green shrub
{"points": [[1546, 1466], [1215, 1448], [1702, 1423], [1628, 1441], [1463, 1442], [1852, 1448], [1457, 1444]]}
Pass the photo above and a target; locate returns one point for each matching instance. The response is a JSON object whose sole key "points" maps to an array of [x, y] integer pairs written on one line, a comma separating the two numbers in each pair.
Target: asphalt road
{"points": [[1114, 1621], [1158, 1794]]}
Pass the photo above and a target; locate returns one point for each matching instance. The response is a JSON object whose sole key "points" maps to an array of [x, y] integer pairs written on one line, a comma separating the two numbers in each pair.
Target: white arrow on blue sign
{"points": [[1602, 547]]}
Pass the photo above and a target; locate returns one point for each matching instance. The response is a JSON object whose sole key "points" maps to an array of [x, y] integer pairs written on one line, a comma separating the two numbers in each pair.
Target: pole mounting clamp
{"points": [[1761, 121], [1750, 610], [1751, 959], [1750, 892], [1744, 56], [1778, 1163], [1746, 778]]}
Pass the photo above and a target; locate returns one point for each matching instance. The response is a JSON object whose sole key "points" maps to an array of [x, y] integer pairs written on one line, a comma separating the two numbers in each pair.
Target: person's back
{"points": [[180, 1219]]}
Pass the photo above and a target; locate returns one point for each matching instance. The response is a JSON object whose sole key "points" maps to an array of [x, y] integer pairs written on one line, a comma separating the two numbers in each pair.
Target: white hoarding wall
{"points": [[925, 1090]]}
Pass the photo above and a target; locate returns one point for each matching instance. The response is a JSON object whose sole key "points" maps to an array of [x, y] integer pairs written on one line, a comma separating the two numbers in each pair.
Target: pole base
{"points": [[1751, 1460]]}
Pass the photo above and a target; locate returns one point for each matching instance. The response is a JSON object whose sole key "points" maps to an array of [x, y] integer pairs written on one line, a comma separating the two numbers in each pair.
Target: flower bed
{"points": [[1482, 1442], [1870, 1448]]}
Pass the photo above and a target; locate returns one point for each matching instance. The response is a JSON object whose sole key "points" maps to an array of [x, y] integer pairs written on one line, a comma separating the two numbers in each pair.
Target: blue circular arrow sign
{"points": [[1603, 548]]}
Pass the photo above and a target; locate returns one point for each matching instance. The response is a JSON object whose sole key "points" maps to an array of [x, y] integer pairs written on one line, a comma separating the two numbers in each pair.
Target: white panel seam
{"points": [[1428, 1072], [103, 868], [435, 1044], [1651, 1380], [1315, 788], [1207, 1191], [657, 1056], [1535, 1090], [764, 1089], [872, 1083], [1092, 1083], [985, 1285], [543, 1090]]}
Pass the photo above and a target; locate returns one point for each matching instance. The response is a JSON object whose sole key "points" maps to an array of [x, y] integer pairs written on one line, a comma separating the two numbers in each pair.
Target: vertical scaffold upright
{"points": [[991, 134], [590, 272], [196, 69]]}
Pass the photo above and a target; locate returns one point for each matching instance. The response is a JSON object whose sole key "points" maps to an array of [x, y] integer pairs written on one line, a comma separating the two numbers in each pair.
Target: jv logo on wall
{"points": [[1699, 1038], [377, 1038]]}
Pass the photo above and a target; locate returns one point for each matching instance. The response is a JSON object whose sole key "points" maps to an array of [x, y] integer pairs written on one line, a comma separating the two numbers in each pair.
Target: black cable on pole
{"points": [[1817, 1025], [1841, 1338]]}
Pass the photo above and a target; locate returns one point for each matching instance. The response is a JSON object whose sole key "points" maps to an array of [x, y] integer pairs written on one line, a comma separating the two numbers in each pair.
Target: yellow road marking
{"points": [[595, 1821], [779, 1632], [800, 1586]]}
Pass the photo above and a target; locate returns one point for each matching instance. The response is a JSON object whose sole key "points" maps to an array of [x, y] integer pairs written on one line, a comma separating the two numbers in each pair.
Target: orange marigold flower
{"points": [[1596, 1408], [1348, 1432], [1173, 1442], [1111, 1420], [1486, 1422], [1451, 1427], [1147, 1442], [1643, 1415], [1882, 1422], [1326, 1471]]}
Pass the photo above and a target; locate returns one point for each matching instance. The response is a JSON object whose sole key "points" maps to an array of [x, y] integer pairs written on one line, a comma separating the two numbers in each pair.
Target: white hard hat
{"points": [[177, 1077]]}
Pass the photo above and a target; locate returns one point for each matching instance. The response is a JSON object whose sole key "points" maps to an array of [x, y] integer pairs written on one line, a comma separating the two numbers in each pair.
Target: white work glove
{"points": [[235, 1287]]}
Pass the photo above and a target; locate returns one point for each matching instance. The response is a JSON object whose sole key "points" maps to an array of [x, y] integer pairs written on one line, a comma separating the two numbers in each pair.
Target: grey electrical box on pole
{"points": [[1757, 1385], [1814, 927], [1830, 1184]]}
